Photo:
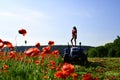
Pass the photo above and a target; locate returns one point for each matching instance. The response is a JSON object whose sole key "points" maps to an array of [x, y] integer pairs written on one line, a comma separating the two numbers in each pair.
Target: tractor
{"points": [[75, 55]]}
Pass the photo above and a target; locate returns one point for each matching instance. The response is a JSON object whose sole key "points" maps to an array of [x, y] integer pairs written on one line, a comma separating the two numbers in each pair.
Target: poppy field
{"points": [[44, 64]]}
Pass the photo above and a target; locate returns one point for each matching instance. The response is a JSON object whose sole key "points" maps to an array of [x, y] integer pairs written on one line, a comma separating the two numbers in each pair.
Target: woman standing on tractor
{"points": [[74, 35]]}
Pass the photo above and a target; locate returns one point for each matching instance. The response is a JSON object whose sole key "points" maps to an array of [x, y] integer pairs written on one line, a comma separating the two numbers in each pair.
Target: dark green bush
{"points": [[108, 50]]}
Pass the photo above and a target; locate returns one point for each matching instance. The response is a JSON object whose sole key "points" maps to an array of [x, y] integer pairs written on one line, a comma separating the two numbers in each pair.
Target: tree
{"points": [[102, 51], [117, 43], [108, 50], [111, 52], [92, 52]]}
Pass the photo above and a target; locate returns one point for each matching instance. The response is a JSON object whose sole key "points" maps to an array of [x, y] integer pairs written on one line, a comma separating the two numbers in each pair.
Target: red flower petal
{"points": [[8, 44], [32, 52], [75, 76], [59, 74], [46, 49], [5, 67], [1, 44], [51, 43], [56, 52], [22, 31], [1, 40], [37, 62], [67, 69], [12, 54], [87, 76], [38, 45]]}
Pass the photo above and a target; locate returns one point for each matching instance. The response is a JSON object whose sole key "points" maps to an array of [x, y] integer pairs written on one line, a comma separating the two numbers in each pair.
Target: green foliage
{"points": [[111, 52], [92, 52], [118, 53], [101, 51], [108, 50]]}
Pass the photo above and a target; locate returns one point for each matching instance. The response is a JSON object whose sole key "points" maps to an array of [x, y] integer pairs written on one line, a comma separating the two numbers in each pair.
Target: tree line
{"points": [[111, 49]]}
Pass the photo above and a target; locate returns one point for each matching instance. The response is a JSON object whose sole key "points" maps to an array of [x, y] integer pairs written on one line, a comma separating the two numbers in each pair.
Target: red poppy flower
{"points": [[75, 76], [56, 52], [52, 62], [46, 49], [5, 67], [1, 44], [12, 54], [57, 68], [32, 52], [1, 40], [37, 62], [87, 76], [59, 74], [22, 31], [38, 45], [51, 43], [67, 69], [8, 44]]}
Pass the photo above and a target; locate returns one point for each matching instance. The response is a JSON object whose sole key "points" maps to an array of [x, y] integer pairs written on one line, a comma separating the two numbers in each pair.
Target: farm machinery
{"points": [[75, 55]]}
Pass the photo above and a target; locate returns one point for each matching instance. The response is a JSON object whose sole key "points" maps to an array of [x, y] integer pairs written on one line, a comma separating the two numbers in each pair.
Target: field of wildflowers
{"points": [[35, 64]]}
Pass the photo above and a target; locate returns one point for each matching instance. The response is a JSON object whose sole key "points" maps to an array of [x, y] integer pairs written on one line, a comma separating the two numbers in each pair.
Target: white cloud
{"points": [[30, 15], [24, 14], [7, 14]]}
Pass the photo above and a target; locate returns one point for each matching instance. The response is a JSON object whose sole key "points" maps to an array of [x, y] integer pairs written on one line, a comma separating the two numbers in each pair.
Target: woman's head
{"points": [[74, 27]]}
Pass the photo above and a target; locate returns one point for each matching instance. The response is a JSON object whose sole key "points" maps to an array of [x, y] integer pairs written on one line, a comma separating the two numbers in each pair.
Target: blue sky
{"points": [[97, 21]]}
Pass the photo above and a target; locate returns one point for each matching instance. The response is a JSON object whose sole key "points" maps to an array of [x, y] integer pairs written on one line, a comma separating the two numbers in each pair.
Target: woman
{"points": [[74, 35]]}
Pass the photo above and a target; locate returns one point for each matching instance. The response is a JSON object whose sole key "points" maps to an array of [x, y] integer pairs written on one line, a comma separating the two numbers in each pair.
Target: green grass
{"points": [[26, 69]]}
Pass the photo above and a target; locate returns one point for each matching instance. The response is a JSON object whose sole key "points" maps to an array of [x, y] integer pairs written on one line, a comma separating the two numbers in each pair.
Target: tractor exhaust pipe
{"points": [[80, 44]]}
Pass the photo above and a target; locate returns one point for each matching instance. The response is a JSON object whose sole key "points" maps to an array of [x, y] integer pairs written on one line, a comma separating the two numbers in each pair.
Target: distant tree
{"points": [[101, 51], [117, 43], [118, 53], [108, 50], [109, 45], [118, 36], [112, 52], [92, 52]]}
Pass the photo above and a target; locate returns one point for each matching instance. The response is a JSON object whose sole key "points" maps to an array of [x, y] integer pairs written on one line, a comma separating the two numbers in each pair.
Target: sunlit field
{"points": [[50, 66], [44, 64]]}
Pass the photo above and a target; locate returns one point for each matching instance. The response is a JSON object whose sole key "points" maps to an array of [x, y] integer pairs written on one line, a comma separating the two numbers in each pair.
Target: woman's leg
{"points": [[72, 41], [75, 41]]}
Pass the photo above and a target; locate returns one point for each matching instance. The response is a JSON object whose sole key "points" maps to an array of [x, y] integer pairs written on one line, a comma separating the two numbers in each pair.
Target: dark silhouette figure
{"points": [[74, 35]]}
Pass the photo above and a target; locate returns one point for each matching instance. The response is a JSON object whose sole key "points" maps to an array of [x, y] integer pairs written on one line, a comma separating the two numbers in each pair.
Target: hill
{"points": [[55, 47]]}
